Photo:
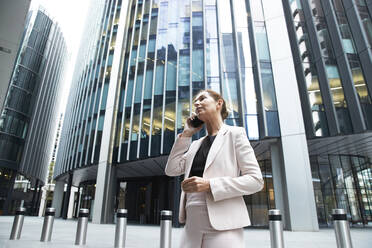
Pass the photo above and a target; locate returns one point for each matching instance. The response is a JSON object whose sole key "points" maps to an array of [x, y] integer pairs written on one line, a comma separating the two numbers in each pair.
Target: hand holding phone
{"points": [[196, 122], [193, 125]]}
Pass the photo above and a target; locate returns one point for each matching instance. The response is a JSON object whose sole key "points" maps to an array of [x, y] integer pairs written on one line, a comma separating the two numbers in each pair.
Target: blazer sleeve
{"points": [[176, 160], [249, 182]]}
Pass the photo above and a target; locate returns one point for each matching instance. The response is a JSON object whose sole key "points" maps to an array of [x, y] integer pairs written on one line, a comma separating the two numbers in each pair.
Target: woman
{"points": [[219, 169]]}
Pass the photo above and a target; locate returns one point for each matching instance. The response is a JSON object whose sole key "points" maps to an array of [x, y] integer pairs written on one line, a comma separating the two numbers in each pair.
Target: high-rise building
{"points": [[12, 24], [29, 119], [294, 74]]}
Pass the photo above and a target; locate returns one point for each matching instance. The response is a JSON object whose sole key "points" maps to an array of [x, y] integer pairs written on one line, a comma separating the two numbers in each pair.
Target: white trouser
{"points": [[198, 232]]}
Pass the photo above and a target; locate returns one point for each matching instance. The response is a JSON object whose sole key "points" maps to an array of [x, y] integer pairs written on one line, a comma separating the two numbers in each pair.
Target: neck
{"points": [[213, 125]]}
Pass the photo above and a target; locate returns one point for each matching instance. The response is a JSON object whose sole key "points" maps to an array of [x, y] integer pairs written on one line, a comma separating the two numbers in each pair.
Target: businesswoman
{"points": [[219, 169]]}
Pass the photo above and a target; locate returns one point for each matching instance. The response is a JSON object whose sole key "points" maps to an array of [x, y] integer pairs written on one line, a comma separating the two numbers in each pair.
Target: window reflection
{"points": [[183, 107], [230, 90], [212, 51], [332, 70], [354, 62], [197, 76], [259, 204], [340, 182], [159, 79], [267, 79]]}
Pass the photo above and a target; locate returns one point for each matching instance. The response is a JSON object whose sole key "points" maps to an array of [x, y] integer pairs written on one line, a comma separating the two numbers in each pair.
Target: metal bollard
{"points": [[81, 231], [165, 228], [121, 228], [342, 230], [46, 233], [18, 223], [276, 228]]}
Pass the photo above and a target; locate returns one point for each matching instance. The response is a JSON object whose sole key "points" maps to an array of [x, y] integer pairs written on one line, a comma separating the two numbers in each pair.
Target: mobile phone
{"points": [[196, 122]]}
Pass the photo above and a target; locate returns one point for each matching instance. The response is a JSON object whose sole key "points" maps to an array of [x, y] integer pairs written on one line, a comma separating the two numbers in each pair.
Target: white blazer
{"points": [[232, 170]]}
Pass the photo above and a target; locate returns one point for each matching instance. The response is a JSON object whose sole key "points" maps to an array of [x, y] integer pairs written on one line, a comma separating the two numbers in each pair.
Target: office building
{"points": [[28, 120], [291, 74], [12, 24]]}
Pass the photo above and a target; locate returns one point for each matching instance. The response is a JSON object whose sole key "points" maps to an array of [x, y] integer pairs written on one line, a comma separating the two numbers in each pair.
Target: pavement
{"points": [[145, 236]]}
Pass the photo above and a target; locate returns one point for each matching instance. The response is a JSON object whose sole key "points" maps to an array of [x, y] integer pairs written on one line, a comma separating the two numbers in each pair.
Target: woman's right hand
{"points": [[189, 130]]}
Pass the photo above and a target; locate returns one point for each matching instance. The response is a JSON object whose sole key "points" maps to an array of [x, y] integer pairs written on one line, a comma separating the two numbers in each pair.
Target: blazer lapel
{"points": [[216, 146]]}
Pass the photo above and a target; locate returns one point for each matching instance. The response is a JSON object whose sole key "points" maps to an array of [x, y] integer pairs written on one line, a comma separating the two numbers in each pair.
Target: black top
{"points": [[200, 158]]}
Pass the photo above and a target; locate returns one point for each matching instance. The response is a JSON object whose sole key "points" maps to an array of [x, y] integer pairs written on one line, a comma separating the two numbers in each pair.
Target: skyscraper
{"points": [[28, 118], [143, 61], [12, 23]]}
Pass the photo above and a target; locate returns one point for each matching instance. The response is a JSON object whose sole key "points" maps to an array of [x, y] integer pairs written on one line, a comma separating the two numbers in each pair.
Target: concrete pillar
{"points": [[295, 193], [103, 211], [58, 197]]}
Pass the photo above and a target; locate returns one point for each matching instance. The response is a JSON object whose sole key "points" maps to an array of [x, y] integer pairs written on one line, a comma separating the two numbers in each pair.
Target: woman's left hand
{"points": [[195, 184]]}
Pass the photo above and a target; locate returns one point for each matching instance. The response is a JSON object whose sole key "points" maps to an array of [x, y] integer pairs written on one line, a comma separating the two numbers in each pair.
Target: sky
{"points": [[70, 16]]}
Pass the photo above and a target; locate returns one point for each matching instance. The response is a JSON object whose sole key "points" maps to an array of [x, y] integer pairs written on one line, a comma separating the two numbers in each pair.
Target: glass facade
{"points": [[260, 203], [168, 56], [28, 115], [328, 58], [84, 120], [311, 83], [339, 181], [183, 52], [354, 60], [342, 182]]}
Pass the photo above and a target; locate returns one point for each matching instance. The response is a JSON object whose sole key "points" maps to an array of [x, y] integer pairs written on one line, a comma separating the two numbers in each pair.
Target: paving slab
{"points": [[145, 236]]}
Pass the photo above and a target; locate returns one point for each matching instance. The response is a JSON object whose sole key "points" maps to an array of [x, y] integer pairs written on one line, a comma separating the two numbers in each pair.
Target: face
{"points": [[206, 107]]}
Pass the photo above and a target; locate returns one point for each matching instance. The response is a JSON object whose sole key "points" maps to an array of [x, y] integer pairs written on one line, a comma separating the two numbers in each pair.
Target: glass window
{"points": [[211, 21], [256, 10], [148, 84], [213, 69], [268, 86], [18, 100], [332, 70], [104, 96], [151, 46], [183, 107], [197, 65], [261, 41]]}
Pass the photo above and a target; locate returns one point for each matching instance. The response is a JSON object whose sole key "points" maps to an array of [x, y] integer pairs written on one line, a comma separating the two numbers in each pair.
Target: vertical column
{"points": [[295, 175], [106, 175], [58, 197]]}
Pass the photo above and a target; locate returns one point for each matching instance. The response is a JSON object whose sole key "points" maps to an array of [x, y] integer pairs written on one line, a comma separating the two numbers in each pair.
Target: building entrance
{"points": [[145, 197]]}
